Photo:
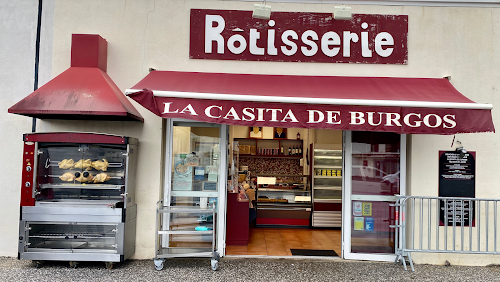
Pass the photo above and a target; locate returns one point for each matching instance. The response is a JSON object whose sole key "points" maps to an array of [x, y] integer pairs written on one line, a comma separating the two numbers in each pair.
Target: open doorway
{"points": [[293, 178]]}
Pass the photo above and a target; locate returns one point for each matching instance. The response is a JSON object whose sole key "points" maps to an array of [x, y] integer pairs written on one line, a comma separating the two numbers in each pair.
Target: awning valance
{"points": [[402, 105]]}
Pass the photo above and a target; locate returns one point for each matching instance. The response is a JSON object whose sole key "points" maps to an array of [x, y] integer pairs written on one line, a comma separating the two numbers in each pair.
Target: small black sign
{"points": [[457, 178]]}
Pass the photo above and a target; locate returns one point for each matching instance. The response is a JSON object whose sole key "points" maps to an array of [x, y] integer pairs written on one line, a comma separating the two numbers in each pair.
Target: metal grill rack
{"points": [[171, 228]]}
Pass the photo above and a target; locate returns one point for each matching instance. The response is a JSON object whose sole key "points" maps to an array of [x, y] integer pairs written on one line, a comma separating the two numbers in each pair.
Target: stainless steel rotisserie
{"points": [[77, 197]]}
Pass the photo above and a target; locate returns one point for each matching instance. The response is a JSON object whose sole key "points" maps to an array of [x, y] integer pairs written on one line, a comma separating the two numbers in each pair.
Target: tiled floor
{"points": [[279, 241]]}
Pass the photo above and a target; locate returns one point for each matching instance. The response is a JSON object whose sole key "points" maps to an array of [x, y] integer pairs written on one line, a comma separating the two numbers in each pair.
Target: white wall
{"points": [[17, 54], [457, 42]]}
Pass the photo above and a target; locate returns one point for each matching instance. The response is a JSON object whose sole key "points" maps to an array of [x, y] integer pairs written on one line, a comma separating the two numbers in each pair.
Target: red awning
{"points": [[84, 91], [403, 105]]}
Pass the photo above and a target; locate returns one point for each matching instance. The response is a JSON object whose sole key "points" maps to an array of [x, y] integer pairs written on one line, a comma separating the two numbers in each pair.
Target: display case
{"points": [[326, 174], [77, 197], [283, 207]]}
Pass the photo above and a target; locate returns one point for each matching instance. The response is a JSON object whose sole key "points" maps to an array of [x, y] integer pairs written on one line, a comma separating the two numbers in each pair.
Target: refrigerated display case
{"points": [[326, 174], [283, 207], [77, 198]]}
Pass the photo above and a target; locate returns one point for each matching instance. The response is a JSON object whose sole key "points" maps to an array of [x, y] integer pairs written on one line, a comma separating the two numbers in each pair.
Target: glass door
{"points": [[374, 175], [195, 177]]}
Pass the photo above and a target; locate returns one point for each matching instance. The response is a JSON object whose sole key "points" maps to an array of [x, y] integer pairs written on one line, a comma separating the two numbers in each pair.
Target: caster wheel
{"points": [[215, 264], [158, 264], [73, 264], [108, 264], [217, 257], [37, 263]]}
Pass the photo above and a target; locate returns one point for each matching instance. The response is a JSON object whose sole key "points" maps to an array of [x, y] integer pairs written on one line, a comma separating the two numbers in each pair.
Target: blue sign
{"points": [[369, 224]]}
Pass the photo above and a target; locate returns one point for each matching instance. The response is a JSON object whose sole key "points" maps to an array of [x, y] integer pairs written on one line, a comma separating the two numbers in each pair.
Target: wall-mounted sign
{"points": [[457, 178], [298, 37]]}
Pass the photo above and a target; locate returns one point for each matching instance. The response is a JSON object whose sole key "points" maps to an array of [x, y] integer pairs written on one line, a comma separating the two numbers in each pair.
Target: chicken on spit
{"points": [[83, 177], [66, 164], [83, 164], [68, 176], [101, 177], [100, 165]]}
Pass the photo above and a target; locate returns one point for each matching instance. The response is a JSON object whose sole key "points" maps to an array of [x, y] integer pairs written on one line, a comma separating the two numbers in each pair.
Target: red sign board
{"points": [[298, 37]]}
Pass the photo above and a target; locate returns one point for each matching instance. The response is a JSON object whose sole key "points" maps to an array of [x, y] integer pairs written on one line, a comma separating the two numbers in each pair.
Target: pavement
{"points": [[242, 269]]}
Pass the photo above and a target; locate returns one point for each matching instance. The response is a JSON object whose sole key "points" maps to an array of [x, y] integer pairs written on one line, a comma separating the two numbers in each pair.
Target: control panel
{"points": [[27, 192]]}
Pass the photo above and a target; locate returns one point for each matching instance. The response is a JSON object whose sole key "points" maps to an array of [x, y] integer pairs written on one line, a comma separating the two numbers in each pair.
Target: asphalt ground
{"points": [[241, 269]]}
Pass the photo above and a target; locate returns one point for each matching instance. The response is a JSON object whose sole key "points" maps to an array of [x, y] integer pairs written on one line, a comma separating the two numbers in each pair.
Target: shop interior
{"points": [[292, 181]]}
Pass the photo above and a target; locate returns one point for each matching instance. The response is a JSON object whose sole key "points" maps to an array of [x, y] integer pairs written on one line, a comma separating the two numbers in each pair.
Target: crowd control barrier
{"points": [[445, 225]]}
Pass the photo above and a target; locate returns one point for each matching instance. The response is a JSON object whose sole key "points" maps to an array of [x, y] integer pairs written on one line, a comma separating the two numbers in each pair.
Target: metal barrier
{"points": [[445, 225]]}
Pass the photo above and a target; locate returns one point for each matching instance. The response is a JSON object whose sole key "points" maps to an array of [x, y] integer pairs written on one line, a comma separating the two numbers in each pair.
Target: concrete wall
{"points": [[442, 41], [17, 53]]}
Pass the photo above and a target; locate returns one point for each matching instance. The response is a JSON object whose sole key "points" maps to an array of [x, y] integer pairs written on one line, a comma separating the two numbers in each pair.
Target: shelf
{"points": [[273, 156], [322, 176], [329, 166], [282, 175], [208, 194], [328, 188], [331, 200], [184, 210], [184, 232], [328, 157], [281, 190], [71, 237], [81, 186], [184, 252]]}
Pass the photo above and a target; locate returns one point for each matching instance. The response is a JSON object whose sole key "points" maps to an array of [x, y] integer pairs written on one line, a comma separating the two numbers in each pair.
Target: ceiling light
{"points": [[261, 11], [342, 12]]}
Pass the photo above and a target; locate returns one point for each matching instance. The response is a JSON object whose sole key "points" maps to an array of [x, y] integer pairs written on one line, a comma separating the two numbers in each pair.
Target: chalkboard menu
{"points": [[457, 178]]}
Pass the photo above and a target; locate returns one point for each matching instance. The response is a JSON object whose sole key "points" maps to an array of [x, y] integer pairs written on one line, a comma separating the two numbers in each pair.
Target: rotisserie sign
{"points": [[298, 37], [457, 178]]}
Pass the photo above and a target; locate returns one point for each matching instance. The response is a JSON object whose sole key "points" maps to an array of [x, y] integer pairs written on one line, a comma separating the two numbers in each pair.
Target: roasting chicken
{"points": [[84, 176], [83, 164], [101, 177], [100, 165], [66, 164], [68, 176]]}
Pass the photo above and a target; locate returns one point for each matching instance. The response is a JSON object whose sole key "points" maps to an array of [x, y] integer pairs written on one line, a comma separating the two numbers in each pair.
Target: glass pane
{"points": [[195, 164], [72, 236], [80, 172], [202, 221], [371, 233], [375, 163], [375, 172], [327, 194]]}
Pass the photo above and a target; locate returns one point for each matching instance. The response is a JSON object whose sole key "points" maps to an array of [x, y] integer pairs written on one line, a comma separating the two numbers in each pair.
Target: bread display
{"points": [[83, 164], [100, 165], [66, 164], [101, 177], [83, 177], [68, 176]]}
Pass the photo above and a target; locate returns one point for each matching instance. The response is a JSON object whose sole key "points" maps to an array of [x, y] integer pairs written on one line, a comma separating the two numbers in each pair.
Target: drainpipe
{"points": [[37, 54]]}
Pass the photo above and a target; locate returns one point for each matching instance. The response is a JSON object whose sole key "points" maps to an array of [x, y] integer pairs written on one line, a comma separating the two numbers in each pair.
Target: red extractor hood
{"points": [[82, 92]]}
